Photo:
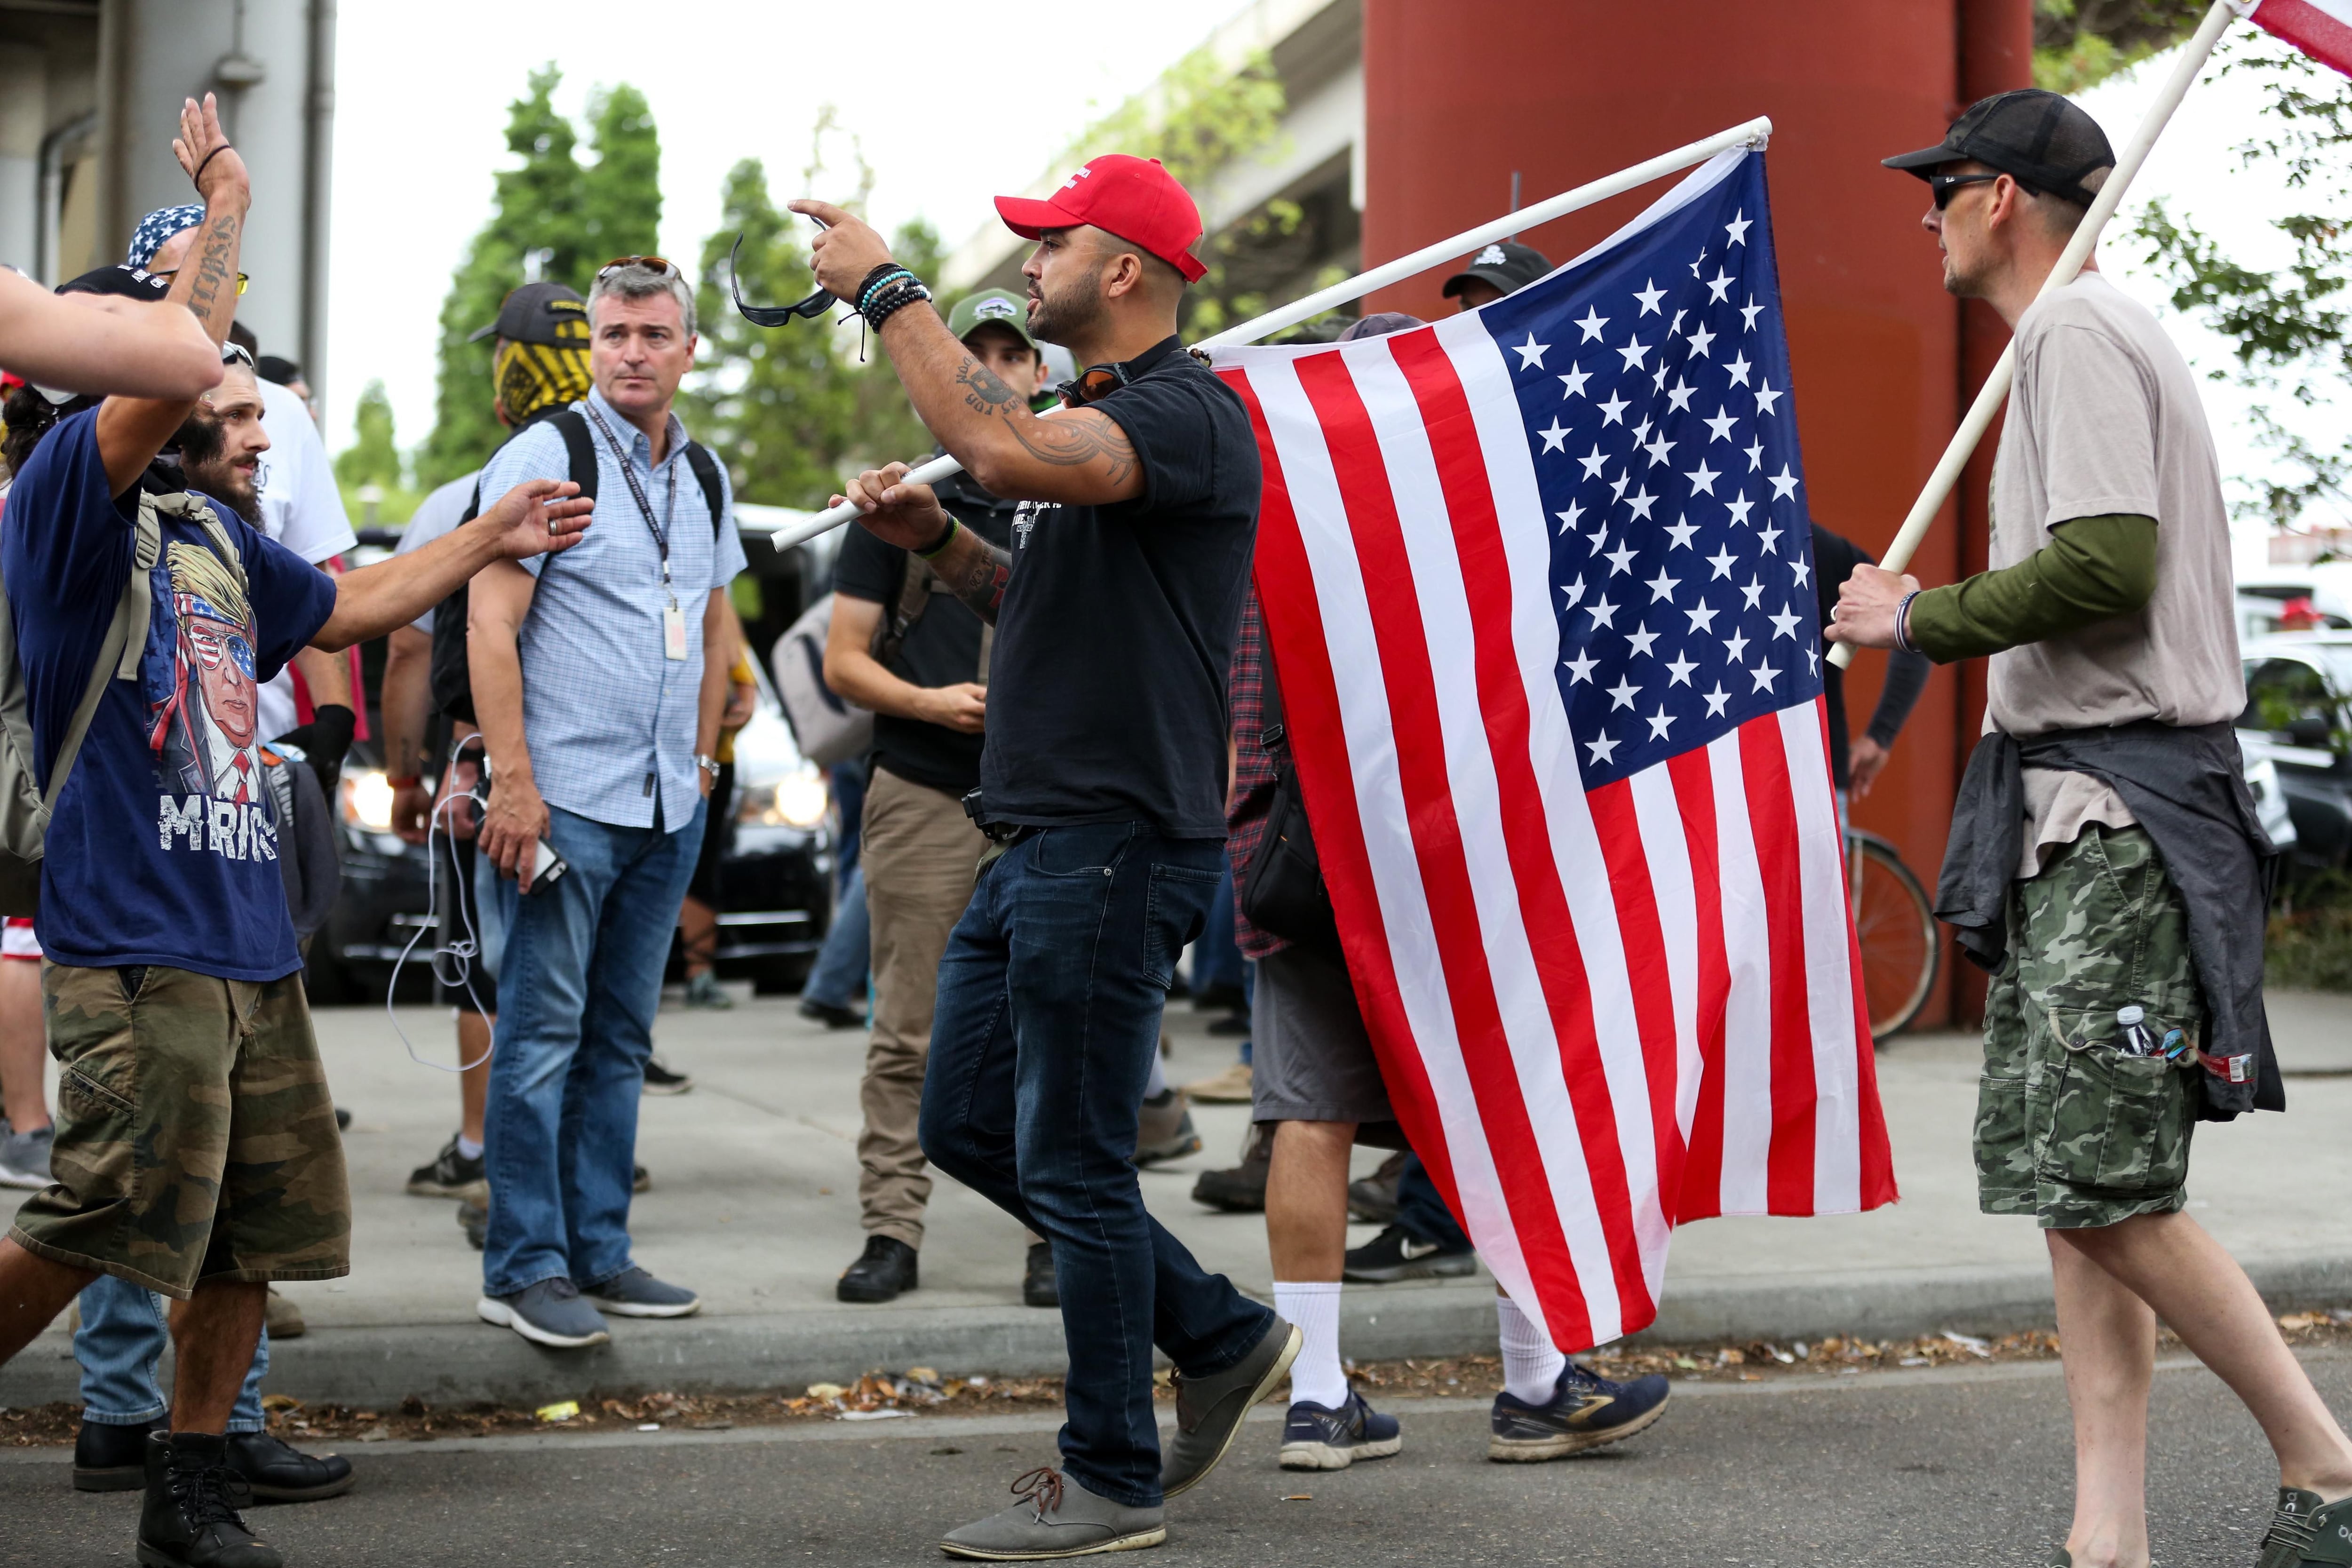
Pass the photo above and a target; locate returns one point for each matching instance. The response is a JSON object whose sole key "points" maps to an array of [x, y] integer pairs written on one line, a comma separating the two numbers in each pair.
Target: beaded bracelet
{"points": [[894, 297], [875, 285], [877, 276]]}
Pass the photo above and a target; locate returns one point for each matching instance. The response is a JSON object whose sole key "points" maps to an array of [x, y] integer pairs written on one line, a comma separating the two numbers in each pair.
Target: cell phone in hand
{"points": [[542, 867]]}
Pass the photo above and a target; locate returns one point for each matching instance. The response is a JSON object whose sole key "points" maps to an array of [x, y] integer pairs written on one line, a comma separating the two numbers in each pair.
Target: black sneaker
{"points": [[279, 1473], [883, 1272], [831, 1016], [450, 1176], [1397, 1253], [1241, 1190], [1232, 1026], [474, 1218], [1038, 1286], [1586, 1410], [190, 1518], [640, 1179], [1317, 1437], [1374, 1200], [660, 1080], [110, 1459]]}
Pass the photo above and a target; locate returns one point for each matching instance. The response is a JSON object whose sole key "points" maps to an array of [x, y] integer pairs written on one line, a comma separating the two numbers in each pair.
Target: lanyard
{"points": [[645, 508]]}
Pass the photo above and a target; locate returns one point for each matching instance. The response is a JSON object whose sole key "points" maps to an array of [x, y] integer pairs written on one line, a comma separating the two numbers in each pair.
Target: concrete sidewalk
{"points": [[754, 1205]]}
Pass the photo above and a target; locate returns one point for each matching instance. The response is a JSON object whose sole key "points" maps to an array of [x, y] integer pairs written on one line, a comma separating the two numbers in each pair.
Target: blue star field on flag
{"points": [[1653, 379]]}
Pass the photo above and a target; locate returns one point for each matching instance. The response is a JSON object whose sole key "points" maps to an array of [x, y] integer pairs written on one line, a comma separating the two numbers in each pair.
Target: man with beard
{"points": [[1102, 783]]}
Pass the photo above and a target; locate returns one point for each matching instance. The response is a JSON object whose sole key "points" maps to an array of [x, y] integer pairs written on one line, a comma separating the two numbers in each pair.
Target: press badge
{"points": [[674, 632]]}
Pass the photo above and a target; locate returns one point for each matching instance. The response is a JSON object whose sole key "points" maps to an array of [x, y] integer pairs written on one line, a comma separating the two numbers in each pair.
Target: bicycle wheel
{"points": [[1900, 946]]}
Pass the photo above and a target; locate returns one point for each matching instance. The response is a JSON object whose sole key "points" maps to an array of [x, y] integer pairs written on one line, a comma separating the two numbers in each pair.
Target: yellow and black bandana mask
{"points": [[532, 376]]}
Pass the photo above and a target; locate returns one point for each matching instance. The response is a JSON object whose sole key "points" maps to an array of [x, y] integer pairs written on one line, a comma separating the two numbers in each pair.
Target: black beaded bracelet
{"points": [[894, 297], [873, 285], [877, 276]]}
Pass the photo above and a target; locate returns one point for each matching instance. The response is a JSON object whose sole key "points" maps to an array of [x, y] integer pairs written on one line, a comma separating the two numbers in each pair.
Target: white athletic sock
{"points": [[1531, 1367], [467, 1149], [1157, 1084], [1314, 1305]]}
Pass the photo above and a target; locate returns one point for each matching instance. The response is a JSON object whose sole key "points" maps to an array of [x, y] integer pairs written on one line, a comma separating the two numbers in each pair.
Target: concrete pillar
{"points": [[24, 120], [1460, 95]]}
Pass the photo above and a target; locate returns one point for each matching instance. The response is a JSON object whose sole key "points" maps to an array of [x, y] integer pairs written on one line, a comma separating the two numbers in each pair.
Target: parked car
{"points": [[776, 876], [2297, 720]]}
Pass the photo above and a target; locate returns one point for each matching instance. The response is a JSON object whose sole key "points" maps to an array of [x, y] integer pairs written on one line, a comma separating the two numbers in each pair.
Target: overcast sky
{"points": [[961, 113]]}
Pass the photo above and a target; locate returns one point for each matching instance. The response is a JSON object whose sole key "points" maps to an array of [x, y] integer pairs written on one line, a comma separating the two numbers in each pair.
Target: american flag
{"points": [[1537, 582], [2320, 29]]}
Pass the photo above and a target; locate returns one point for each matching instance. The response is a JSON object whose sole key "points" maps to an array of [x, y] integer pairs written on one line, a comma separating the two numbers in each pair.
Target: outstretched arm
{"points": [[537, 516], [132, 430], [103, 346]]}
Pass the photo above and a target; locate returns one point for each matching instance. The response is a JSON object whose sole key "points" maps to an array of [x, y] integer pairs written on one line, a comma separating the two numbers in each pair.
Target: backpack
{"points": [[829, 727], [24, 805], [450, 675]]}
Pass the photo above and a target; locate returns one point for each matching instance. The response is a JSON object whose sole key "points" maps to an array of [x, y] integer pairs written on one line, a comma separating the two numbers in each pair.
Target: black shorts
{"points": [[461, 921]]}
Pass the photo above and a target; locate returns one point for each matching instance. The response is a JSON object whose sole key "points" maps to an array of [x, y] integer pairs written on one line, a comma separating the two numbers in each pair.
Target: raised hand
{"points": [[846, 252], [908, 516], [538, 517], [202, 147]]}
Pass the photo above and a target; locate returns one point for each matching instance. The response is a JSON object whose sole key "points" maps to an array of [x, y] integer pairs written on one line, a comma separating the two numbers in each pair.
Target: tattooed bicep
{"points": [[1078, 439]]}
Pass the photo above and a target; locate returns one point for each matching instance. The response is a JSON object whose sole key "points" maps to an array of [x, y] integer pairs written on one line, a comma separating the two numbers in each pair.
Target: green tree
{"points": [[2077, 43], [2290, 327], [554, 217], [375, 457]]}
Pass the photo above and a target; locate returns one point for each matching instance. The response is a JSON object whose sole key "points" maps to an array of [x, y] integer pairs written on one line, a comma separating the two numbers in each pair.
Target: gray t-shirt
{"points": [[2106, 418], [436, 515]]}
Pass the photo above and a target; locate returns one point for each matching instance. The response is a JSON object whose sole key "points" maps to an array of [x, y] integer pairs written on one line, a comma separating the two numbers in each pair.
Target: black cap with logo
{"points": [[122, 282], [2038, 139], [1505, 265], [539, 313]]}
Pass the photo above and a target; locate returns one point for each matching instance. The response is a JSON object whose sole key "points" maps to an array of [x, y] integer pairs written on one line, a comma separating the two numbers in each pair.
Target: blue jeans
{"points": [[1422, 1213], [1048, 1020], [122, 1334], [837, 978], [1216, 961], [578, 985]]}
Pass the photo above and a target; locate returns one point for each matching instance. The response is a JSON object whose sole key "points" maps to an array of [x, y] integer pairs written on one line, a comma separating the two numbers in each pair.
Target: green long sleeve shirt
{"points": [[2093, 569]]}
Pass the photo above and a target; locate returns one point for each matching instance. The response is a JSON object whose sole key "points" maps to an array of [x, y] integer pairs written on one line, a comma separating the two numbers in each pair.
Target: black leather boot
{"points": [[109, 1459], [190, 1518], [277, 1473], [881, 1273], [1038, 1286]]}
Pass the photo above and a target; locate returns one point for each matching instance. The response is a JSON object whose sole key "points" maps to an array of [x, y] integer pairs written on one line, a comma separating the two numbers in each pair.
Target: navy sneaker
{"points": [[1318, 1438], [1586, 1410]]}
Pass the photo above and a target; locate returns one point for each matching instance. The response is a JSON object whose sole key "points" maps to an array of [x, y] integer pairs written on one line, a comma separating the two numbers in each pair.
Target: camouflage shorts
{"points": [[196, 1136], [2067, 1130]]}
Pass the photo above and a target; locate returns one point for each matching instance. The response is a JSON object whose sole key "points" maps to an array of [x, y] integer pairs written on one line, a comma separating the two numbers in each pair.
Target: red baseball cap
{"points": [[1134, 198]]}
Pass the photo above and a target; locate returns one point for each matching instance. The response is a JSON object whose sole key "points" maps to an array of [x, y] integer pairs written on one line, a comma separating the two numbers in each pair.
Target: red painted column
{"points": [[1459, 96]]}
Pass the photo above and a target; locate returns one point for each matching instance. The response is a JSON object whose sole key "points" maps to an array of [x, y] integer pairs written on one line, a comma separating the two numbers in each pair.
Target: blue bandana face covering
{"points": [[158, 227]]}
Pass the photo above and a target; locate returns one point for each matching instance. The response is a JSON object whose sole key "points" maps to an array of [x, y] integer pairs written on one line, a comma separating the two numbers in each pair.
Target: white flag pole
{"points": [[1754, 133], [1995, 391]]}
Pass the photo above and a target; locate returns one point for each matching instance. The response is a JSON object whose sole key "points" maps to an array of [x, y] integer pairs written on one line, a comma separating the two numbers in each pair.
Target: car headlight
{"points": [[799, 799], [367, 800]]}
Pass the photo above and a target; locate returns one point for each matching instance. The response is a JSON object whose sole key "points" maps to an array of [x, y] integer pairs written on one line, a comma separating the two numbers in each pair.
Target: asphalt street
{"points": [[1965, 1466]]}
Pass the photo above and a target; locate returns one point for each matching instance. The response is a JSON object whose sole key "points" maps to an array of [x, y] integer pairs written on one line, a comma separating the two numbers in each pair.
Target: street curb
{"points": [[459, 1364]]}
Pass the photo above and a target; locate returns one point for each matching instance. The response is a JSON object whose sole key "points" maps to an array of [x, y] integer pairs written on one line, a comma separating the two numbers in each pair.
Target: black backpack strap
{"points": [[579, 450], [705, 472]]}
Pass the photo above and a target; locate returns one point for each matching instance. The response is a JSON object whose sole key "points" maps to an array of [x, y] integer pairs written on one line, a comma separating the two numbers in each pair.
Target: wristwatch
{"points": [[708, 765]]}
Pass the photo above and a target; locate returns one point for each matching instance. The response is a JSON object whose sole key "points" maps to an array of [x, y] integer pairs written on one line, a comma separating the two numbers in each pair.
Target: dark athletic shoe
{"points": [[190, 1517], [634, 1293], [1397, 1253], [2307, 1532], [1586, 1410], [1038, 1286], [277, 1473], [1208, 1409], [108, 1458], [1055, 1517], [450, 1176], [549, 1312], [883, 1272], [660, 1080], [1164, 1130], [1317, 1437], [831, 1016], [474, 1218], [640, 1179]]}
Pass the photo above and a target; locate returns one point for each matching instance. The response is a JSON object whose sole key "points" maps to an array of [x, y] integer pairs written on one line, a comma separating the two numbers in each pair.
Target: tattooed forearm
{"points": [[984, 389], [976, 573], [1073, 441], [215, 270]]}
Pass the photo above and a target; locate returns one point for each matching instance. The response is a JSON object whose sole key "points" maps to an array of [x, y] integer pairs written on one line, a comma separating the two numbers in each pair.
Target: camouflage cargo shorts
{"points": [[196, 1136], [2068, 1130]]}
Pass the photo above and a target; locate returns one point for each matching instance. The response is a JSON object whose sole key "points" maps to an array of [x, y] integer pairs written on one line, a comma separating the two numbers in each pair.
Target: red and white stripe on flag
{"points": [[1599, 1014], [2320, 29]]}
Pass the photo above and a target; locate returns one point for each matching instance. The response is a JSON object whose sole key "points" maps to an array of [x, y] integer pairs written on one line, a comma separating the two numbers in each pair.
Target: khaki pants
{"points": [[920, 853]]}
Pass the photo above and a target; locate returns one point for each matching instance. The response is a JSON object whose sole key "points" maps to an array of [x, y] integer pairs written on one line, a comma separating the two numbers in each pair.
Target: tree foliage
{"points": [[375, 457], [2078, 43], [554, 218], [2290, 327]]}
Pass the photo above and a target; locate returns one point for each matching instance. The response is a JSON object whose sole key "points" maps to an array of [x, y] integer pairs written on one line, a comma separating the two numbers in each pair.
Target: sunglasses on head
{"points": [[175, 272], [1094, 381], [236, 354], [808, 310], [661, 264]]}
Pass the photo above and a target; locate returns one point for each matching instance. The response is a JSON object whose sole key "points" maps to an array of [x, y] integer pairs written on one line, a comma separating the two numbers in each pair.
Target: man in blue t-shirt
{"points": [[1103, 780], [196, 1152]]}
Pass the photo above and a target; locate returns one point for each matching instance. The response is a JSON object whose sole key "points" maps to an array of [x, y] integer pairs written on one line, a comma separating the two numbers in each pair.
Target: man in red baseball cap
{"points": [[1102, 785]]}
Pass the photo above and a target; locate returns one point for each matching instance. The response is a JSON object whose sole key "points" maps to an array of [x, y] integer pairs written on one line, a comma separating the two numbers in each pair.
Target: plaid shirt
{"points": [[1253, 772]]}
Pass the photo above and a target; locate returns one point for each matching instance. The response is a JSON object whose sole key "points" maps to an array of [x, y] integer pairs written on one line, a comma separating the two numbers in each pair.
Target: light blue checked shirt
{"points": [[602, 711]]}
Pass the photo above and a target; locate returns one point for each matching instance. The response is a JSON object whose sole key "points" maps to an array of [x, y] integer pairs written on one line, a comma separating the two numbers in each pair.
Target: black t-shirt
{"points": [[1106, 702], [943, 648]]}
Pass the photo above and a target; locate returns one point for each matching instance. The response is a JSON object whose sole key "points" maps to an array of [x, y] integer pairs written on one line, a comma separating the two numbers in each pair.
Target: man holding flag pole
{"points": [[2106, 859]]}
